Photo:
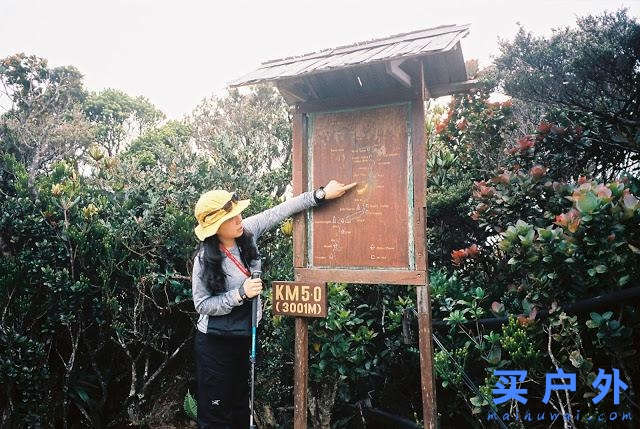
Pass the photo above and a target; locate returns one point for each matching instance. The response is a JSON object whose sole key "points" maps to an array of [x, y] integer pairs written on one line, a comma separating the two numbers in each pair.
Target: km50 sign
{"points": [[301, 299]]}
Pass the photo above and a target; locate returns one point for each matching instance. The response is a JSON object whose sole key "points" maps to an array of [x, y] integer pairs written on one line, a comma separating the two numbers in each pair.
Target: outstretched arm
{"points": [[261, 222], [269, 218]]}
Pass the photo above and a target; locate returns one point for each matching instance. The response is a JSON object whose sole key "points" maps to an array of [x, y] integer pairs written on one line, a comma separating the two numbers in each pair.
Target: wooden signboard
{"points": [[299, 299], [375, 232]]}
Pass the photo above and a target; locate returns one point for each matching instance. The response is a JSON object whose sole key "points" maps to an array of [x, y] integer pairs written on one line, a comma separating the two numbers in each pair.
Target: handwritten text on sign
{"points": [[299, 299]]}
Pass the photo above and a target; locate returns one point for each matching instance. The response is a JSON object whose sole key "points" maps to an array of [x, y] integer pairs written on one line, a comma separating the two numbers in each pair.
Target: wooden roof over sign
{"points": [[416, 43], [366, 68]]}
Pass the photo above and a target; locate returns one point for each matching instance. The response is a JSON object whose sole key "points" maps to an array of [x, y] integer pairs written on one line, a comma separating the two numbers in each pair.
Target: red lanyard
{"points": [[235, 261]]}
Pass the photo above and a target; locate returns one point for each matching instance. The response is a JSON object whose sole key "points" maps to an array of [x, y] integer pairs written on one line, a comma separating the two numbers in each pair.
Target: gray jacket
{"points": [[226, 313]]}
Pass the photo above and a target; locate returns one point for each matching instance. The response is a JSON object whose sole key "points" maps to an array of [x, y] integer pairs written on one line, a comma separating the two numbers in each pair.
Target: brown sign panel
{"points": [[368, 227], [375, 232], [300, 299]]}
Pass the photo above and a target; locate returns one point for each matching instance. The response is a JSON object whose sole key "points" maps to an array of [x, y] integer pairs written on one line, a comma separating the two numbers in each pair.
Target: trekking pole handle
{"points": [[254, 317]]}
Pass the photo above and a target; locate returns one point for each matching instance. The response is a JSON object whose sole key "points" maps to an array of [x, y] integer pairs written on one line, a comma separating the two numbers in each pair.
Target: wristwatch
{"points": [[319, 195], [243, 295]]}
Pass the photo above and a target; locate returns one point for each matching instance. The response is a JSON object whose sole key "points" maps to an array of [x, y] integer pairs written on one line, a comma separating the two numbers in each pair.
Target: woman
{"points": [[222, 290]]}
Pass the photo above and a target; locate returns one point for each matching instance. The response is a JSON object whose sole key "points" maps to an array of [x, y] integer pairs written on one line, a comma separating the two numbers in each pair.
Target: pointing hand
{"points": [[335, 189]]}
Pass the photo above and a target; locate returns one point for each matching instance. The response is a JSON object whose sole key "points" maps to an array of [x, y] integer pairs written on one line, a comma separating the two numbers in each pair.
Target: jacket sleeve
{"points": [[269, 218], [204, 302]]}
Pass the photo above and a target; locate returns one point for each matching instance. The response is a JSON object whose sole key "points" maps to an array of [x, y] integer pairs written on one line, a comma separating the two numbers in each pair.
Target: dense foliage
{"points": [[549, 219]]}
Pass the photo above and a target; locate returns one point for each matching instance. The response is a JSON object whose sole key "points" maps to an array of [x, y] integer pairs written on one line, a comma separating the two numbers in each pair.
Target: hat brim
{"points": [[208, 231]]}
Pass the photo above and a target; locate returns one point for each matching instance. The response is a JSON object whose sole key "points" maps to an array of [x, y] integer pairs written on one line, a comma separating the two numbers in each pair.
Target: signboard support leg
{"points": [[426, 357], [300, 374]]}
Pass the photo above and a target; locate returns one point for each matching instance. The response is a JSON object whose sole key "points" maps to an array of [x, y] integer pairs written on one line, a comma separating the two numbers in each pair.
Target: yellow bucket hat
{"points": [[213, 208]]}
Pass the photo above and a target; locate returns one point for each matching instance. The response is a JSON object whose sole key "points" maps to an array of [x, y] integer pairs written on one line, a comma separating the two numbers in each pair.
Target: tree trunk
{"points": [[321, 399]]}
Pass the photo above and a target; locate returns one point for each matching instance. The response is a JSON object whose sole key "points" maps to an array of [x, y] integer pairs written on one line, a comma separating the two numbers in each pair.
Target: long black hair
{"points": [[212, 272]]}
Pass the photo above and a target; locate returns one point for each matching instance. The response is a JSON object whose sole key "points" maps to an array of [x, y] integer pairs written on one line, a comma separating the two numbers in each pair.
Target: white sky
{"points": [[177, 52]]}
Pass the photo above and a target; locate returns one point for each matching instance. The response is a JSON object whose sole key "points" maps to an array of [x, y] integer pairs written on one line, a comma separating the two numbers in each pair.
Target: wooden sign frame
{"points": [[418, 276], [415, 271]]}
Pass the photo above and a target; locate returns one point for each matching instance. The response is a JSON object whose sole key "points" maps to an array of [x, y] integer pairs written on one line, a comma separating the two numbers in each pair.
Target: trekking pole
{"points": [[252, 356]]}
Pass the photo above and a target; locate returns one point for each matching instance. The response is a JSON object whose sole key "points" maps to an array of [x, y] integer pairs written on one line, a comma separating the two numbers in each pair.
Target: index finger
{"points": [[349, 186]]}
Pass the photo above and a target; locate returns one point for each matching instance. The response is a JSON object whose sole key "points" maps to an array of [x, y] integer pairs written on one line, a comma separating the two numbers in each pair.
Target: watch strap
{"points": [[243, 294]]}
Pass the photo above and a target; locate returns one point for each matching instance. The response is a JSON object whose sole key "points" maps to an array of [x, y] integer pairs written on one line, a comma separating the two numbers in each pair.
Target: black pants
{"points": [[222, 370]]}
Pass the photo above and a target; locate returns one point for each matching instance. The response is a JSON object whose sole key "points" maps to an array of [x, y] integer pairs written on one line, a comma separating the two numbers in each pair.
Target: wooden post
{"points": [[301, 352], [300, 374], [423, 302], [299, 163], [426, 357]]}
